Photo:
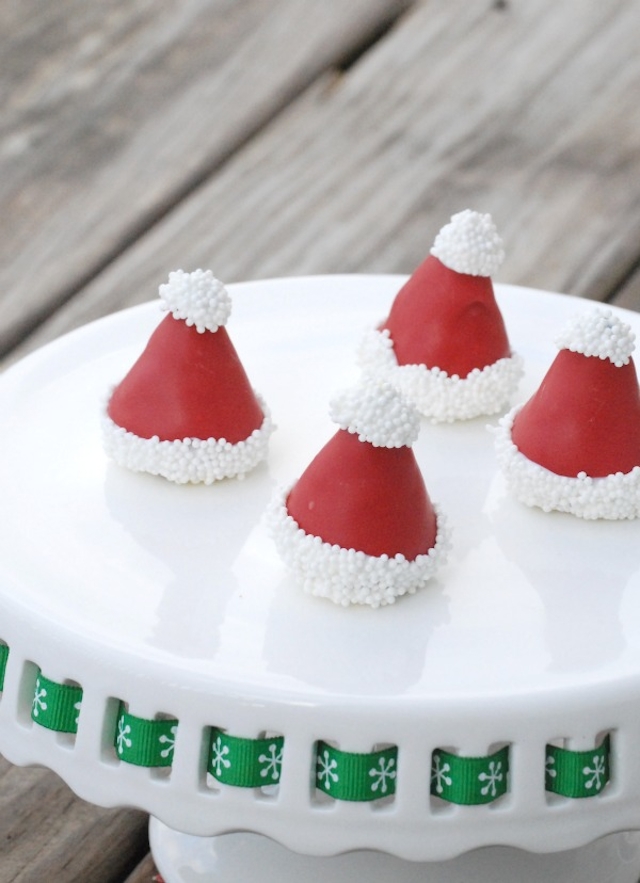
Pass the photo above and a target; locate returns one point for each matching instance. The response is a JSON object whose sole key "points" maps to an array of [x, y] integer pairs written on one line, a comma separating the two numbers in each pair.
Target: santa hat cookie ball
{"points": [[575, 445], [358, 526], [186, 409], [444, 343]]}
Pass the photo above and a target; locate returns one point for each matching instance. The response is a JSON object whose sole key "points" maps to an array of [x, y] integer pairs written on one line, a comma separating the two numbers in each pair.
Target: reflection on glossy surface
{"points": [[196, 587], [189, 576], [581, 595], [372, 654]]}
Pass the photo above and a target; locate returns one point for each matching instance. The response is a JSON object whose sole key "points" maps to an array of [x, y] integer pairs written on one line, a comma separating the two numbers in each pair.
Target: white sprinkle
{"points": [[612, 497], [437, 395], [198, 298], [330, 571], [377, 413], [599, 332], [470, 244], [187, 460]]}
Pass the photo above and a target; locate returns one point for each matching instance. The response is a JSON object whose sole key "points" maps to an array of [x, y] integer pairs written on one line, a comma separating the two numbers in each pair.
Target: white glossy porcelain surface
{"points": [[232, 857], [173, 599], [528, 601]]}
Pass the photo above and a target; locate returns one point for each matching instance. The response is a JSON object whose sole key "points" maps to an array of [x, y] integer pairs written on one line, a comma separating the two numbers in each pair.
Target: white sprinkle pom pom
{"points": [[470, 244], [612, 497], [437, 395], [377, 413], [198, 298], [188, 460], [599, 333], [345, 576]]}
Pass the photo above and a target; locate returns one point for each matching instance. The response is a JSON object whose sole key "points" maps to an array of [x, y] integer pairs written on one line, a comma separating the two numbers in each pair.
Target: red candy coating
{"points": [[585, 417], [371, 499], [187, 385], [436, 300]]}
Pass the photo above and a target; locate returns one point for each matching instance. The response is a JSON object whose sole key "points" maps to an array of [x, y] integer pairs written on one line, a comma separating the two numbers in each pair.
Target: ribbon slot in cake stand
{"points": [[135, 603]]}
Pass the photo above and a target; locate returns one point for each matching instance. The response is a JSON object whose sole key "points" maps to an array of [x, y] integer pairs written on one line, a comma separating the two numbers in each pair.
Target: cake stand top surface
{"points": [[172, 600], [184, 579]]}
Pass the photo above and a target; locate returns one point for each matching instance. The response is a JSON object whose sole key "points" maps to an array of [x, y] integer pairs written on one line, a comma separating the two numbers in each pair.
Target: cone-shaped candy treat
{"points": [[186, 409], [444, 343], [575, 445], [358, 526]]}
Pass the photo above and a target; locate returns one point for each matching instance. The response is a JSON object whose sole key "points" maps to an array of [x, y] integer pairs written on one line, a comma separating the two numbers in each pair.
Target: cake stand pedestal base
{"points": [[182, 858]]}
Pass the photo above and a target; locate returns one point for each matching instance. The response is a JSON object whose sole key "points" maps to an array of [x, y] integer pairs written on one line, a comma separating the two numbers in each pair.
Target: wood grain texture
{"points": [[140, 136], [112, 112], [48, 834], [146, 872], [526, 111], [628, 295]]}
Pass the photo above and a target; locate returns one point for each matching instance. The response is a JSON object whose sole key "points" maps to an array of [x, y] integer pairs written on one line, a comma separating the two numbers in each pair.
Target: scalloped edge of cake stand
{"points": [[184, 858]]}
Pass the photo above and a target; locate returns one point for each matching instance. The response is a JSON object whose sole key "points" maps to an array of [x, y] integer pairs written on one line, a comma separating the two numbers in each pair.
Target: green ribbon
{"points": [[4, 656], [56, 706], [578, 774], [143, 742], [245, 763], [358, 777], [469, 781], [255, 763]]}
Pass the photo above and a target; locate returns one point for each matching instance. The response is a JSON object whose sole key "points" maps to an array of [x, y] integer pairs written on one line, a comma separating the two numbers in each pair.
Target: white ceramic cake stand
{"points": [[172, 600]]}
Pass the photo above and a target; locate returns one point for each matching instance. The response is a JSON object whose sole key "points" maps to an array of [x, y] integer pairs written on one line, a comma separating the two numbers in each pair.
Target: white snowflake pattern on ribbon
{"points": [[122, 739], [550, 766], [168, 739], [327, 770], [439, 776], [271, 762], [382, 773], [39, 698], [219, 759], [595, 776], [493, 778]]}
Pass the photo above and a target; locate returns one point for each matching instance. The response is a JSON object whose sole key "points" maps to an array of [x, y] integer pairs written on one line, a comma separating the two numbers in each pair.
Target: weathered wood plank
{"points": [[146, 872], [628, 295], [111, 112], [47, 834], [526, 111]]}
